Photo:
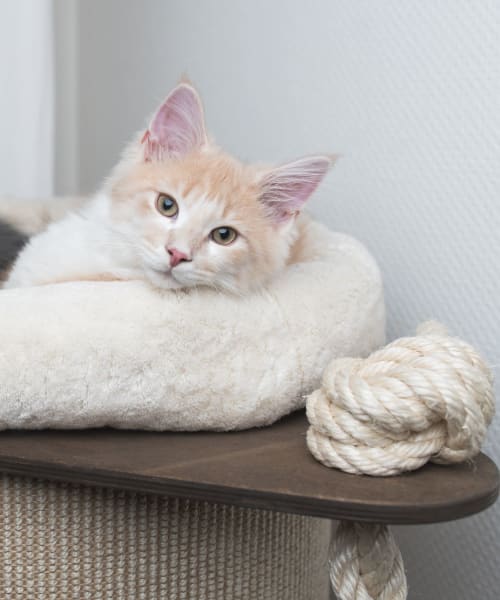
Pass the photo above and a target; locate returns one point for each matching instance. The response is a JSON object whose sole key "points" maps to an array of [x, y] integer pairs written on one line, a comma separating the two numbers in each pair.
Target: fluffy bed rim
{"points": [[122, 354]]}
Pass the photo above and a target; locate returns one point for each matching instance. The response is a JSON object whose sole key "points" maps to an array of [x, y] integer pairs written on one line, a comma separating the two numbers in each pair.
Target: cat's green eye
{"points": [[167, 205], [224, 235]]}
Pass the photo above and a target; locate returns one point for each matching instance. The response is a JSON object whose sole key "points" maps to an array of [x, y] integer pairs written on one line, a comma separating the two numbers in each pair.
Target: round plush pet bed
{"points": [[125, 355]]}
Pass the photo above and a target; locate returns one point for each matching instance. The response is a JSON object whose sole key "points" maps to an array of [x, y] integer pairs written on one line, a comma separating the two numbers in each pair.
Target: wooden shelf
{"points": [[269, 468]]}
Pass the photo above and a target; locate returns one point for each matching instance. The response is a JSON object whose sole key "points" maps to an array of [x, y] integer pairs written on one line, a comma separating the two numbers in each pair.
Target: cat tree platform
{"points": [[104, 514]]}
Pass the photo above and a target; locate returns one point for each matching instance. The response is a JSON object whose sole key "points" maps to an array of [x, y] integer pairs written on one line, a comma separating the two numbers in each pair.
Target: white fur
{"points": [[79, 245], [88, 243], [30, 216], [126, 355]]}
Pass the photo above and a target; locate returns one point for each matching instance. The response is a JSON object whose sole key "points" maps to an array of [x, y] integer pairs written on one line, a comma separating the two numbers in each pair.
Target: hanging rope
{"points": [[428, 397], [366, 564]]}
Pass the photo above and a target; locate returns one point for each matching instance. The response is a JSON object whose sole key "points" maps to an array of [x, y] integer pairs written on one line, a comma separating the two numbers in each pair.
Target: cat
{"points": [[178, 212]]}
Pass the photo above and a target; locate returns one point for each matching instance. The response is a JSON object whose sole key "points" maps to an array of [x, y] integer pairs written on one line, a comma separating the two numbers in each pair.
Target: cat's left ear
{"points": [[178, 127], [285, 189]]}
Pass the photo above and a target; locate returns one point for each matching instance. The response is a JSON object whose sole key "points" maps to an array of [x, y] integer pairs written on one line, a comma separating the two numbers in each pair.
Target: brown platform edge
{"points": [[325, 509]]}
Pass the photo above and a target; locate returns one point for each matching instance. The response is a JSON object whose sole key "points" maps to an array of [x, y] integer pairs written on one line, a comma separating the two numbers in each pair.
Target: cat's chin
{"points": [[164, 280]]}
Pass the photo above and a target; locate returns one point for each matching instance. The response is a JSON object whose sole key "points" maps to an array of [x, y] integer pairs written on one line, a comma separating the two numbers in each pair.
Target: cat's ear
{"points": [[285, 189], [178, 127]]}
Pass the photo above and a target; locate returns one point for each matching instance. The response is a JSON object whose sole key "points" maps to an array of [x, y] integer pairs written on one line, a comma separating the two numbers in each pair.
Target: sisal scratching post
{"points": [[419, 399], [64, 541]]}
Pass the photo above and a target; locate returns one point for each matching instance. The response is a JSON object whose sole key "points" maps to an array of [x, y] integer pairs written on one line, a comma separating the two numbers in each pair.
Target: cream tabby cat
{"points": [[178, 212]]}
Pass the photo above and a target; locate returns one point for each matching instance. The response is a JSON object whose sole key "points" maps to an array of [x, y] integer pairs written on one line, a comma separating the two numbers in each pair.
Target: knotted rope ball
{"points": [[428, 397]]}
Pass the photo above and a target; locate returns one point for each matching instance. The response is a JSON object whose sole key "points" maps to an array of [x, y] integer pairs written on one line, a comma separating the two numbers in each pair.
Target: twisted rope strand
{"points": [[366, 564]]}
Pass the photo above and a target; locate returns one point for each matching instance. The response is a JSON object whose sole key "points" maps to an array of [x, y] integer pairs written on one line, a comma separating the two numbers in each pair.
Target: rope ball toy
{"points": [[418, 399]]}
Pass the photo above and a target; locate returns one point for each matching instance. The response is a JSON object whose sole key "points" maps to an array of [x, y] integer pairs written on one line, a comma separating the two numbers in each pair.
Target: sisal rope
{"points": [[428, 397], [419, 399], [71, 542], [366, 564]]}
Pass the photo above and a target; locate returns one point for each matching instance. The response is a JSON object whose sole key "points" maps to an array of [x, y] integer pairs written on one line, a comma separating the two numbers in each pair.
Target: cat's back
{"points": [[65, 246], [30, 216]]}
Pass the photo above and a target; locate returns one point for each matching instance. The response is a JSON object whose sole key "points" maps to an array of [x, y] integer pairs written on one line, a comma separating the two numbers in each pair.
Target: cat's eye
{"points": [[167, 205], [224, 235]]}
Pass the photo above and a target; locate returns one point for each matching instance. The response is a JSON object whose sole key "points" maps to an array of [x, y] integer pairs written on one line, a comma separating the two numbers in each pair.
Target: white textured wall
{"points": [[26, 98], [409, 93], [66, 38]]}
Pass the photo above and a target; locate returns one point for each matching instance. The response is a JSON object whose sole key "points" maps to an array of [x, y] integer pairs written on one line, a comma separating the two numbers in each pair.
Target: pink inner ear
{"points": [[286, 189], [178, 126]]}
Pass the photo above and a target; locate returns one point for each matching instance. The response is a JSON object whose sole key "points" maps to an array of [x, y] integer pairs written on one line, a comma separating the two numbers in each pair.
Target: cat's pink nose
{"points": [[176, 256]]}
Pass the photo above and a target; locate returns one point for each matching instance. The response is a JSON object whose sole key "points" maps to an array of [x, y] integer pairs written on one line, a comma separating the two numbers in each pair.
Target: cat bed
{"points": [[122, 354]]}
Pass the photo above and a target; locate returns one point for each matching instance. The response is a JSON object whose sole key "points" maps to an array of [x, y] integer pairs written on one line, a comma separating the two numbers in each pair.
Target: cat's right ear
{"points": [[178, 127], [285, 189]]}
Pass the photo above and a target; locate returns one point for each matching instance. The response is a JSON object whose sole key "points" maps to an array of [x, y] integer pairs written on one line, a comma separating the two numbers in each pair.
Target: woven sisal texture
{"points": [[69, 542]]}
